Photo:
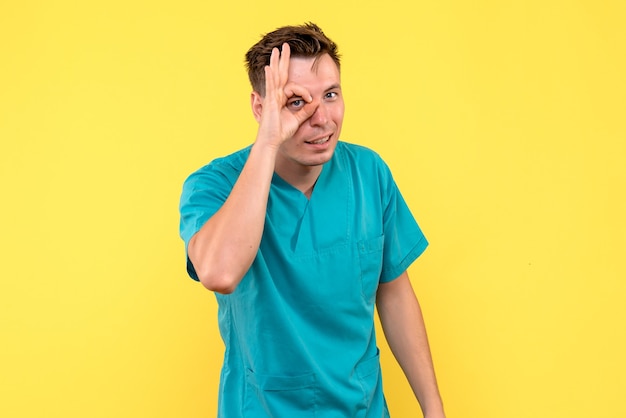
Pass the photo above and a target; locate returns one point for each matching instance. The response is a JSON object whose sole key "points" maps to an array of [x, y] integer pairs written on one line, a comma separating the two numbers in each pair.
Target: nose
{"points": [[320, 116]]}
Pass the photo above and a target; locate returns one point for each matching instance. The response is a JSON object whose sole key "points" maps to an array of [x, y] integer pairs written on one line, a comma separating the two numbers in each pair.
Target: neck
{"points": [[301, 177]]}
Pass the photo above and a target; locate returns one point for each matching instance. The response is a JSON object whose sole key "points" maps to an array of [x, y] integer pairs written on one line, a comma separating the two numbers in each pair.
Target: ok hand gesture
{"points": [[278, 122]]}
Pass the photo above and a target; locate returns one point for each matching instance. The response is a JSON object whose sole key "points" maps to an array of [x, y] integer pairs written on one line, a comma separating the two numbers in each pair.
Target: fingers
{"points": [[296, 90], [283, 64], [280, 93], [269, 81], [306, 111], [271, 76], [277, 72]]}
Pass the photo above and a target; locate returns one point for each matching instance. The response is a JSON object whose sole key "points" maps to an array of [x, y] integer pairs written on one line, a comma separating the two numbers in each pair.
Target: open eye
{"points": [[296, 103], [331, 95]]}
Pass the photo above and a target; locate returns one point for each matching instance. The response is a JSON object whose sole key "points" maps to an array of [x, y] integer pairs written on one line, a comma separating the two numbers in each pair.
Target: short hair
{"points": [[305, 40]]}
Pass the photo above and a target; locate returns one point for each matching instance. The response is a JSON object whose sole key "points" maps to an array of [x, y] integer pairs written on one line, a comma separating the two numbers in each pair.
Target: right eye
{"points": [[296, 103]]}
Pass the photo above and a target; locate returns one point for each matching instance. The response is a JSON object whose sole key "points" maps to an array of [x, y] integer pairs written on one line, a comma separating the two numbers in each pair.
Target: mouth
{"points": [[319, 141]]}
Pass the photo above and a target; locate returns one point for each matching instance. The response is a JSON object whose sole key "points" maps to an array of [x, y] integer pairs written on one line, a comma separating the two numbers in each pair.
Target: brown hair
{"points": [[306, 40]]}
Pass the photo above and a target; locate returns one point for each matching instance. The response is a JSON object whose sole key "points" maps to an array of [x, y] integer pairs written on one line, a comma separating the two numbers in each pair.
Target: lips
{"points": [[319, 141]]}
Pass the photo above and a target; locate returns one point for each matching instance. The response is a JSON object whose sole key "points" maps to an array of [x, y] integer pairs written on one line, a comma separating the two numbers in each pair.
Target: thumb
{"points": [[306, 111]]}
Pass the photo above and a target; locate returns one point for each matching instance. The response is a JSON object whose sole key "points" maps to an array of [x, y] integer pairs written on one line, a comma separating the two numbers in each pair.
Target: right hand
{"points": [[278, 122]]}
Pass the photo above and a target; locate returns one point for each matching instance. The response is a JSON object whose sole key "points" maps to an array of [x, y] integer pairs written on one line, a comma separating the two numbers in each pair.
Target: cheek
{"points": [[338, 111], [337, 116]]}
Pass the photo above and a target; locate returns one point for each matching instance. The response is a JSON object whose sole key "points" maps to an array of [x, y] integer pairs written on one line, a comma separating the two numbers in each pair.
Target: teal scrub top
{"points": [[299, 328]]}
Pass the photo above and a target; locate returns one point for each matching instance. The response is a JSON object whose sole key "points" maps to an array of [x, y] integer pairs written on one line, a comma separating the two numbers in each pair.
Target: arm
{"points": [[401, 318], [224, 248]]}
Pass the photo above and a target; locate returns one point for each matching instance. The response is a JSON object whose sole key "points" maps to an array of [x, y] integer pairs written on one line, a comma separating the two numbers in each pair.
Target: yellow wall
{"points": [[503, 121]]}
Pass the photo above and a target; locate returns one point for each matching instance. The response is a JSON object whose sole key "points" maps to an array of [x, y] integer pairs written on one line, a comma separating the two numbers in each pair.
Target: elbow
{"points": [[220, 283], [217, 271], [219, 287]]}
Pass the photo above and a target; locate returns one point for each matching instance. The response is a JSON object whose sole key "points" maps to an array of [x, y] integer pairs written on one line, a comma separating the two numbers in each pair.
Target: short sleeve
{"points": [[404, 240], [204, 192]]}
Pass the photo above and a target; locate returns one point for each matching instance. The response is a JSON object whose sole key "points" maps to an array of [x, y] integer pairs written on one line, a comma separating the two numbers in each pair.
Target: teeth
{"points": [[319, 141]]}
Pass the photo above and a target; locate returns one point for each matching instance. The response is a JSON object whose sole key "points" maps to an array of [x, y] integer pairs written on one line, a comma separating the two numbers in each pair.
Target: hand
{"points": [[278, 122]]}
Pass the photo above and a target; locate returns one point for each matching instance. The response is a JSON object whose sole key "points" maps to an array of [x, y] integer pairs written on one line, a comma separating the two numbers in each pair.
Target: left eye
{"points": [[331, 95]]}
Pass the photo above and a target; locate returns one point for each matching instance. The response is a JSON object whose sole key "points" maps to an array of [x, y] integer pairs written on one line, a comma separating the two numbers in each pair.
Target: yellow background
{"points": [[503, 122]]}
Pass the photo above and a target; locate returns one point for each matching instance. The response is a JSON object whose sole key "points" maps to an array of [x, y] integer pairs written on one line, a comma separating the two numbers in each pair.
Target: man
{"points": [[300, 235]]}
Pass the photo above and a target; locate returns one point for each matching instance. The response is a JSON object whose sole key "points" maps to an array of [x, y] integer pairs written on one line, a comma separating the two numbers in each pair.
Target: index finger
{"points": [[295, 90]]}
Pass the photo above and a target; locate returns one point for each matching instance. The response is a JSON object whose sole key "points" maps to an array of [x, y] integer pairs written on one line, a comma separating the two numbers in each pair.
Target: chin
{"points": [[319, 159]]}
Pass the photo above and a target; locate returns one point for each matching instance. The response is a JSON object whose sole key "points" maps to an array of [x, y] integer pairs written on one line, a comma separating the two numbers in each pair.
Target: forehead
{"points": [[320, 72]]}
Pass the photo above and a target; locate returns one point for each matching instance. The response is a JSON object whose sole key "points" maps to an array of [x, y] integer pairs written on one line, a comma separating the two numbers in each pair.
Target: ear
{"points": [[256, 102]]}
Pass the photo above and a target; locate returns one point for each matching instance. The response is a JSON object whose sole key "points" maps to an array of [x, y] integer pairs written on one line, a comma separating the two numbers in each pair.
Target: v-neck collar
{"points": [[287, 187], [321, 222]]}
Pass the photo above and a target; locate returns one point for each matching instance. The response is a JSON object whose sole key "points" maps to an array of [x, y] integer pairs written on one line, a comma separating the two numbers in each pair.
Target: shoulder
{"points": [[355, 150], [226, 168], [359, 154], [363, 159]]}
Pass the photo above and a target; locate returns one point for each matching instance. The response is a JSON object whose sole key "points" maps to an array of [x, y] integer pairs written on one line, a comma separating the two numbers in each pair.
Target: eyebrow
{"points": [[333, 86]]}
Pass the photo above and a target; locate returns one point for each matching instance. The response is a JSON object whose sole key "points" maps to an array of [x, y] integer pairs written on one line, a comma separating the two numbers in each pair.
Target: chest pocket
{"points": [[371, 262]]}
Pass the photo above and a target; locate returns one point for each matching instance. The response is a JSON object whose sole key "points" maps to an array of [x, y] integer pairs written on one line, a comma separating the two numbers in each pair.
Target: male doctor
{"points": [[300, 235]]}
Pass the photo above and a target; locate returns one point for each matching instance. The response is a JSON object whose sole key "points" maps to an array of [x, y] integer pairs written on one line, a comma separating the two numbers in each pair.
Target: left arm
{"points": [[401, 318]]}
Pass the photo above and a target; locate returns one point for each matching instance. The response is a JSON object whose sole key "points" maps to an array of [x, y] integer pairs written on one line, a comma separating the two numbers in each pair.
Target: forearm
{"points": [[225, 247], [404, 328]]}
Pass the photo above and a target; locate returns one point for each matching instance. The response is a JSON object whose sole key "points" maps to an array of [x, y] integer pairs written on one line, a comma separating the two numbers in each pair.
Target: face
{"points": [[314, 142]]}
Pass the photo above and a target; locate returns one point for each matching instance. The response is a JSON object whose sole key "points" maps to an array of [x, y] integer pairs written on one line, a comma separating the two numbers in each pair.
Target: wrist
{"points": [[265, 147]]}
